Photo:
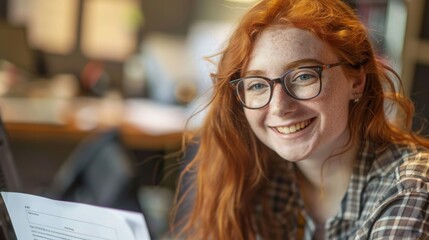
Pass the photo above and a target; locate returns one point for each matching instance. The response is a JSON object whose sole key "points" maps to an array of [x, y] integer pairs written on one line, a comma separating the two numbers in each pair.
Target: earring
{"points": [[357, 97]]}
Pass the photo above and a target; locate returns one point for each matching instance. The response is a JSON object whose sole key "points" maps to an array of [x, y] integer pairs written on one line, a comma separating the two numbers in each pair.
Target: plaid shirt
{"points": [[387, 198]]}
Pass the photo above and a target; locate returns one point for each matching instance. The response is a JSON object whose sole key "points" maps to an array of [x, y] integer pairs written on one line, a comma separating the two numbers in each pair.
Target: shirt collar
{"points": [[351, 204]]}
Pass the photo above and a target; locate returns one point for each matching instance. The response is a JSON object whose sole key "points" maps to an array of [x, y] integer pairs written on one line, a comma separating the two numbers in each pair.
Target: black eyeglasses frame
{"points": [[280, 80]]}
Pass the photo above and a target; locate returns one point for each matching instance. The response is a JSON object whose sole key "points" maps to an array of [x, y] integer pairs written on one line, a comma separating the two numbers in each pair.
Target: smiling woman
{"points": [[296, 143], [326, 111]]}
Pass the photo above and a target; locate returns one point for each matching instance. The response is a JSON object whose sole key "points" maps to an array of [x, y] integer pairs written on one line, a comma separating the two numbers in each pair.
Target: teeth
{"points": [[294, 128]]}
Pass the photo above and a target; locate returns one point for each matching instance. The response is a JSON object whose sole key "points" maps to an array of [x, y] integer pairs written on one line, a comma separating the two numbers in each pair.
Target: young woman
{"points": [[306, 136]]}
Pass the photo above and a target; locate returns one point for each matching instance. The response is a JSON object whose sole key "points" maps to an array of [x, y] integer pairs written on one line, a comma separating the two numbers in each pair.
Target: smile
{"points": [[295, 127]]}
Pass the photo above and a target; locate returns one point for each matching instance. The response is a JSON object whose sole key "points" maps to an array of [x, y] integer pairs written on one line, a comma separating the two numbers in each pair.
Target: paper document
{"points": [[37, 218]]}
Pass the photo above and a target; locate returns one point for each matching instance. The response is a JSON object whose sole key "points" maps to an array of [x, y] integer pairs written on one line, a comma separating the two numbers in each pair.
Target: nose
{"points": [[281, 103]]}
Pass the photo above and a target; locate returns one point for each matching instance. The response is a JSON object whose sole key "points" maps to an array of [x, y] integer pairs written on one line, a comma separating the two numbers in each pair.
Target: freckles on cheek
{"points": [[249, 116], [254, 118], [335, 105]]}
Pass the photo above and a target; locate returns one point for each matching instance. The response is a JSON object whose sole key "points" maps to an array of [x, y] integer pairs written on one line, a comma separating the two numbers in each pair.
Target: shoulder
{"points": [[403, 161], [400, 183], [404, 214], [413, 172], [398, 172]]}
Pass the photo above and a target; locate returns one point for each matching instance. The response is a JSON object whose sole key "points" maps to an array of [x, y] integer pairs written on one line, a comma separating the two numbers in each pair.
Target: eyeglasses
{"points": [[302, 83]]}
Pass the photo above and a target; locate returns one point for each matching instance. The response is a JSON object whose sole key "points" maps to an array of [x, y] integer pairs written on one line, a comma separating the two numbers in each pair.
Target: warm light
{"points": [[53, 25], [241, 1], [109, 29]]}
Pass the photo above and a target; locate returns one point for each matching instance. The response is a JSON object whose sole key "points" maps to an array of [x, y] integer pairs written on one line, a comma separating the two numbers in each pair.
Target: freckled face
{"points": [[294, 129]]}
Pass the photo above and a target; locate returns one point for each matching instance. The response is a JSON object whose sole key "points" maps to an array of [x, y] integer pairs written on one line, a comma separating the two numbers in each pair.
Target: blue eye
{"points": [[257, 86], [304, 77]]}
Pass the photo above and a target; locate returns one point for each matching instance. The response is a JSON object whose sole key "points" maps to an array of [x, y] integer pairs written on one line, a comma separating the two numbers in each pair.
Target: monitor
{"points": [[15, 48]]}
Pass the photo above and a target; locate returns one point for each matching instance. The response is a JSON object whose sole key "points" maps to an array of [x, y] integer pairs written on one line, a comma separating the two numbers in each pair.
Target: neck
{"points": [[323, 182], [332, 170], [328, 168]]}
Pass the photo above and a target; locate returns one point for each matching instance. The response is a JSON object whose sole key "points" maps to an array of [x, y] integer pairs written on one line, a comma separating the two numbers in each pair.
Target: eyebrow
{"points": [[291, 65]]}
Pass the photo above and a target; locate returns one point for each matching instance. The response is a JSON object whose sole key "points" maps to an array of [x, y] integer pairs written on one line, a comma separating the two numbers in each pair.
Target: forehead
{"points": [[288, 44]]}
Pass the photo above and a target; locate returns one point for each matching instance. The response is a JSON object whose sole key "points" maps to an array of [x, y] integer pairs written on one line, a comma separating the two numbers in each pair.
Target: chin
{"points": [[296, 153], [292, 157]]}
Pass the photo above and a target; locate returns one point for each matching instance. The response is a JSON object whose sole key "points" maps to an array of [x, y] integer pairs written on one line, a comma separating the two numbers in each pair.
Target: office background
{"points": [[79, 75]]}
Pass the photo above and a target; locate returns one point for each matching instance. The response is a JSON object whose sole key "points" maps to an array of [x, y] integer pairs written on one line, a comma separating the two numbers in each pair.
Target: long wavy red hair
{"points": [[228, 171]]}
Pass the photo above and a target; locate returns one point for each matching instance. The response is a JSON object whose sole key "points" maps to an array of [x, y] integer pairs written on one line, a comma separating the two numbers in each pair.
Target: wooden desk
{"points": [[71, 120], [40, 144], [133, 137]]}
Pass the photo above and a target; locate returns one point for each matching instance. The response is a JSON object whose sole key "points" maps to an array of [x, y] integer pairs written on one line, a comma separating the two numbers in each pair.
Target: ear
{"points": [[358, 85]]}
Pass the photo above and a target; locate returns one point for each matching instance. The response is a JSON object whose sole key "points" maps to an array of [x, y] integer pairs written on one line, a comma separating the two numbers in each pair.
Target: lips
{"points": [[294, 127]]}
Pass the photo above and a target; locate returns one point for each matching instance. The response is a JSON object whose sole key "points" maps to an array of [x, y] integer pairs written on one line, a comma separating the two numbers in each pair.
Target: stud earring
{"points": [[357, 97]]}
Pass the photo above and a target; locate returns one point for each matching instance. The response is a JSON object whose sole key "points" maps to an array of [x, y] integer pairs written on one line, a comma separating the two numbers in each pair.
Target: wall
{"points": [[416, 60]]}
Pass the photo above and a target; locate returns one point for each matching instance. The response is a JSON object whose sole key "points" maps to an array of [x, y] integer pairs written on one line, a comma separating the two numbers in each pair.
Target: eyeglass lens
{"points": [[256, 92]]}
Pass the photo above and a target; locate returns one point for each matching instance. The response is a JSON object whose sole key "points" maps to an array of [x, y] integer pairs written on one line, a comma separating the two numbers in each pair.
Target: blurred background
{"points": [[94, 94]]}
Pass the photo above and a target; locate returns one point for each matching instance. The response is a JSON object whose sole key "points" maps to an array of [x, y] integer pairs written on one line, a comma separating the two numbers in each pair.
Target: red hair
{"points": [[229, 168]]}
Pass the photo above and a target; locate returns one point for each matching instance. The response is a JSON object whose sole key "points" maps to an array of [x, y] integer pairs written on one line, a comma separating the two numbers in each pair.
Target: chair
{"points": [[99, 172], [9, 181]]}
